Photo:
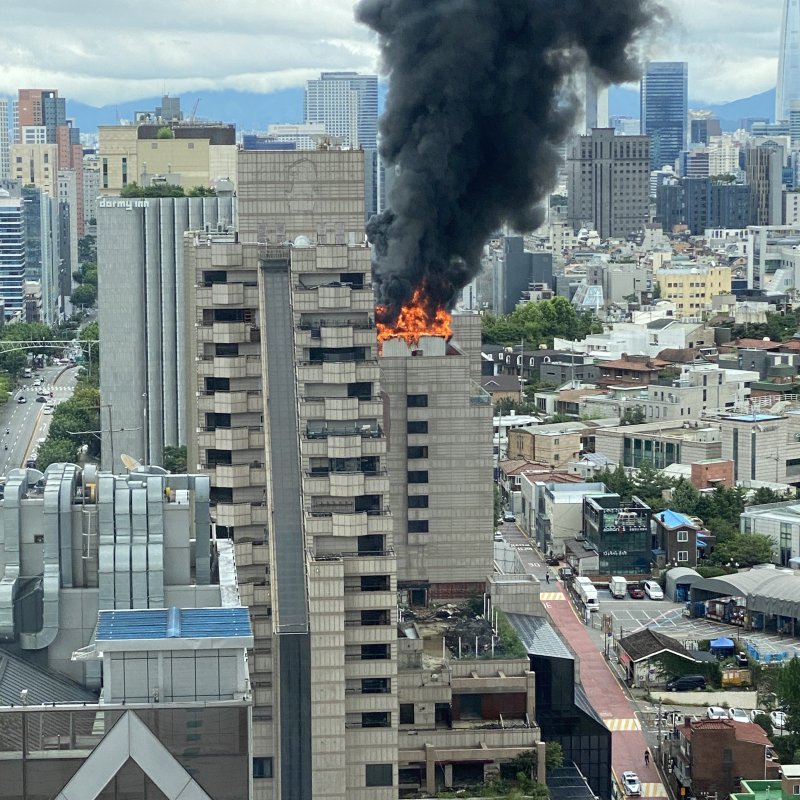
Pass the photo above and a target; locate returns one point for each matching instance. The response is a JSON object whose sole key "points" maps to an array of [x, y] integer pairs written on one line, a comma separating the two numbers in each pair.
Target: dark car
{"points": [[565, 573], [41, 399], [635, 592], [686, 683], [552, 561]]}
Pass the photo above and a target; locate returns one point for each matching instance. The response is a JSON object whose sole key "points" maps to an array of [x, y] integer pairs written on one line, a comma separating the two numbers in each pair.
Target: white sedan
{"points": [[716, 712], [778, 719], [756, 712], [738, 715], [632, 784]]}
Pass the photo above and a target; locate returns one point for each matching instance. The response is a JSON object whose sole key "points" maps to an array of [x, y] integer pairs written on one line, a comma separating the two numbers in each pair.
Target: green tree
{"points": [[160, 190], [202, 191], [787, 687], [744, 549], [633, 416], [87, 249], [554, 756], [84, 295], [77, 419], [175, 459], [165, 132], [649, 483], [685, 497], [764, 495], [616, 481], [559, 417], [56, 449], [764, 722], [498, 506]]}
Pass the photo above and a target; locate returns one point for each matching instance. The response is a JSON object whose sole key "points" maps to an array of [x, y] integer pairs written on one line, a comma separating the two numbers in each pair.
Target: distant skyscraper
{"points": [[788, 87], [664, 99], [5, 144], [595, 103], [12, 251], [347, 104]]}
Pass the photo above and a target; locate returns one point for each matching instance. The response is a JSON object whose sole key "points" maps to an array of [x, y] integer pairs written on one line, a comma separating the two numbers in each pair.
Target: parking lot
{"points": [[667, 617]]}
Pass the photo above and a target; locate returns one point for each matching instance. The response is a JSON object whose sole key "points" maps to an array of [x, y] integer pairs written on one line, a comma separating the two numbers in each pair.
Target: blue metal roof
{"points": [[173, 623], [674, 519], [753, 417]]}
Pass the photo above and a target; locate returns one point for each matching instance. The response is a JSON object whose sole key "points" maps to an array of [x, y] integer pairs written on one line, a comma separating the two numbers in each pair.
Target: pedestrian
{"points": [[647, 758], [547, 577]]}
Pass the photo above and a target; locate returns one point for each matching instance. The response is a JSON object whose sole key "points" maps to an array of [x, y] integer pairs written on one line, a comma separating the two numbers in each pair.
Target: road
{"points": [[606, 693], [26, 422]]}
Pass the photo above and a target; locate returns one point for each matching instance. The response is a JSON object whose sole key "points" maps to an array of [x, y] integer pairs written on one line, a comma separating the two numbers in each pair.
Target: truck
{"points": [[618, 586], [587, 593]]}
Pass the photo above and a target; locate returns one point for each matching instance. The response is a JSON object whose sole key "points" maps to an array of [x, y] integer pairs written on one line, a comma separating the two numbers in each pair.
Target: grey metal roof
{"points": [[539, 636], [567, 783], [768, 591], [44, 686]]}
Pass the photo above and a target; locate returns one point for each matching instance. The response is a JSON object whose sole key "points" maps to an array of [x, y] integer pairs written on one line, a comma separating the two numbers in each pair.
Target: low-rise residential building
{"points": [[620, 533], [630, 370], [676, 539], [550, 444], [692, 288], [711, 756]]}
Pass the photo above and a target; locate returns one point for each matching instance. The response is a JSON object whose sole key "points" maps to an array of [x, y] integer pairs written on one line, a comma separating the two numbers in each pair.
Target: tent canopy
{"points": [[722, 643], [768, 591]]}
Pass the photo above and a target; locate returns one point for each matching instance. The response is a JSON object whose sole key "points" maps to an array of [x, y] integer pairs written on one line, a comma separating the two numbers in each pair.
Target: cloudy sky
{"points": [[105, 51]]}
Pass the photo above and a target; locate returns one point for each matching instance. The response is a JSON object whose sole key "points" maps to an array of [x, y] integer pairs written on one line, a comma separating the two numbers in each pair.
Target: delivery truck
{"points": [[587, 593], [618, 587]]}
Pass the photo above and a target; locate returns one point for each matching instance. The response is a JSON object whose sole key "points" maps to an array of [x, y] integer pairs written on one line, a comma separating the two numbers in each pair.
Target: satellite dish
{"points": [[130, 462]]}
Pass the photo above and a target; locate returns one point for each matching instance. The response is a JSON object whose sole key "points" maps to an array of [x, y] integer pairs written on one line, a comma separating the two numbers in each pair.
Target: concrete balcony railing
{"points": [[344, 484], [228, 402], [356, 600], [232, 514], [232, 475], [232, 438], [227, 294], [230, 332]]}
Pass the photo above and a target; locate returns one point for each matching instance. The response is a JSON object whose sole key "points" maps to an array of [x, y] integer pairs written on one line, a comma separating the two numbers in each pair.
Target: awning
{"points": [[721, 643], [702, 544]]}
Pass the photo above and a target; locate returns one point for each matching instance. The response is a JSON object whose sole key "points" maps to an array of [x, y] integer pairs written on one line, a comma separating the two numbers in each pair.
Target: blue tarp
{"points": [[721, 643]]}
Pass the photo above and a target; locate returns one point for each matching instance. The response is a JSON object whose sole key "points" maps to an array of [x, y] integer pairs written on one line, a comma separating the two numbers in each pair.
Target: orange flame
{"points": [[415, 319]]}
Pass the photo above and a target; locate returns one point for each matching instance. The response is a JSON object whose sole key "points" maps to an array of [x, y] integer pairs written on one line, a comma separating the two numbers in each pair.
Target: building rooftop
{"points": [[744, 731], [43, 685], [172, 623], [674, 519], [757, 344], [648, 643]]}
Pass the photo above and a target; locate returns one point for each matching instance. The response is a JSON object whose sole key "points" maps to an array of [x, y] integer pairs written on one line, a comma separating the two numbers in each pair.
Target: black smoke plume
{"points": [[478, 102]]}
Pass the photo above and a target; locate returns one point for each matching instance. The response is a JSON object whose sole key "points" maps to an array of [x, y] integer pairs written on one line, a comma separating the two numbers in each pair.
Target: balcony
{"points": [[224, 402], [231, 332], [232, 514], [227, 294], [346, 430]]}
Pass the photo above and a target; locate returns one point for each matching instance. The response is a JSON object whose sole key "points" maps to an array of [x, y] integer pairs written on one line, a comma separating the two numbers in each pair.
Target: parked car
{"points": [[757, 712], [498, 537], [630, 781], [635, 591], [686, 683], [47, 410], [41, 399], [565, 573], [716, 712], [508, 517], [653, 590], [553, 561], [778, 719], [22, 399], [738, 715]]}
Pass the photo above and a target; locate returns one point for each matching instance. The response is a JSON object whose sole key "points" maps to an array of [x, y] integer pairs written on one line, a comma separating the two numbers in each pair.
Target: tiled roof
{"points": [[646, 643], [744, 731], [758, 344]]}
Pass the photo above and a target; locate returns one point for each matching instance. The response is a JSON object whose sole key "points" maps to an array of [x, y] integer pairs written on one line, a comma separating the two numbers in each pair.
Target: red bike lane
{"points": [[606, 695]]}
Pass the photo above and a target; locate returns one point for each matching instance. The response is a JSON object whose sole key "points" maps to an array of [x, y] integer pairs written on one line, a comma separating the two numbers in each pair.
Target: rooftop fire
{"points": [[415, 319]]}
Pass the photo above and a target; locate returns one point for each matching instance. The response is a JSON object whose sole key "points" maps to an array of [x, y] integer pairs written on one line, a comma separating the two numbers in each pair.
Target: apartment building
{"points": [[439, 427], [779, 521], [36, 165], [692, 289], [284, 351]]}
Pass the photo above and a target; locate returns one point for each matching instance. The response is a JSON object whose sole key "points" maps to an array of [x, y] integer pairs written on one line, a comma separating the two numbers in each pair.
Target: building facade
{"points": [[693, 288], [608, 183], [12, 252], [619, 533], [764, 171], [140, 253], [664, 100], [439, 428], [788, 87]]}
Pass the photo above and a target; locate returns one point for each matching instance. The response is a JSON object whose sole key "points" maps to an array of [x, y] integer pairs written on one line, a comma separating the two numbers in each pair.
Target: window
{"points": [[796, 789], [417, 452], [378, 775], [374, 583], [417, 400], [418, 526], [418, 476], [376, 719], [418, 501], [683, 536], [374, 652], [683, 555], [262, 767], [416, 426], [375, 686], [406, 713]]}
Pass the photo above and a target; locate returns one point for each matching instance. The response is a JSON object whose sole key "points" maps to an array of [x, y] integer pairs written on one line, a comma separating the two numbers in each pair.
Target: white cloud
{"points": [[104, 51]]}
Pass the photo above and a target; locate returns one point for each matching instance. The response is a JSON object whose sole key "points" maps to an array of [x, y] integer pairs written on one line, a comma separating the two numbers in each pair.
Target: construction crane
{"points": [[193, 115]]}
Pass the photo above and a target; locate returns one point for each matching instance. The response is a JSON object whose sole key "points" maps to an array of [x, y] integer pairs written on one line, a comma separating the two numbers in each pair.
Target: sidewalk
{"points": [[606, 696]]}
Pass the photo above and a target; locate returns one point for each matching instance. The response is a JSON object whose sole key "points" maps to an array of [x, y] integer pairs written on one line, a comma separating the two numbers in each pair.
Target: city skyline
{"points": [[95, 54]]}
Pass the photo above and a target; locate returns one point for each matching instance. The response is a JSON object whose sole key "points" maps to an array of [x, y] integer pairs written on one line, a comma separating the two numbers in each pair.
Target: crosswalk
{"points": [[653, 790], [623, 724], [48, 387], [551, 596]]}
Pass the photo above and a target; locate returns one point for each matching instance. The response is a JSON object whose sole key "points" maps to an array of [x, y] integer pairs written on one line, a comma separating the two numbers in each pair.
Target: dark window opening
{"points": [[218, 384], [371, 503], [221, 494], [417, 426], [418, 501], [215, 420], [371, 543], [374, 583], [262, 767], [417, 400], [353, 279], [376, 719], [378, 775], [226, 350], [215, 458], [375, 617], [417, 451], [361, 390], [214, 276], [375, 686], [374, 652], [418, 476], [406, 713], [318, 355], [418, 526], [229, 314]]}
